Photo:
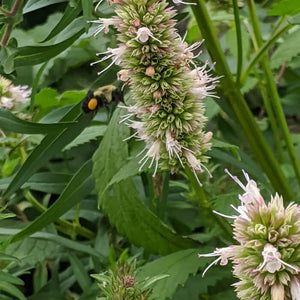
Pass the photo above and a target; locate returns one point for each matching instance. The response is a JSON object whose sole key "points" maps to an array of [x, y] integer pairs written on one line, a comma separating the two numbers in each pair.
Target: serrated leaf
{"points": [[129, 169], [122, 203], [287, 50], [50, 145], [197, 285], [285, 7], [11, 123], [126, 210], [88, 134], [179, 266], [34, 55], [80, 185]]}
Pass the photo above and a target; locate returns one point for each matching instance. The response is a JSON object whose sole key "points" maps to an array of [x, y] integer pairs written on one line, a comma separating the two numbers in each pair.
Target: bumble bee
{"points": [[101, 97]]}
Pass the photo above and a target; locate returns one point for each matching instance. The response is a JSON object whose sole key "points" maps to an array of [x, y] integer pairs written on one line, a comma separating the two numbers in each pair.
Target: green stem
{"points": [[256, 140], [64, 226], [239, 40], [272, 121], [201, 199], [164, 197], [4, 12], [273, 93], [77, 212], [262, 51], [278, 24], [279, 114]]}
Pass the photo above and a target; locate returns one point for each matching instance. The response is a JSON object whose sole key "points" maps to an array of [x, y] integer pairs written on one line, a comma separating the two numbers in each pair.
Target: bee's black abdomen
{"points": [[117, 96]]}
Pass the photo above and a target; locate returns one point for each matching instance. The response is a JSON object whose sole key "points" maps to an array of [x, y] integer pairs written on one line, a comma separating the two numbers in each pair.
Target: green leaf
{"points": [[50, 291], [122, 203], [7, 55], [150, 281], [88, 8], [125, 211], [211, 108], [250, 83], [285, 7], [11, 123], [196, 285], [69, 15], [88, 134], [7, 257], [80, 185], [34, 55], [223, 145], [287, 50], [50, 145], [12, 290], [39, 238], [71, 97], [179, 266], [40, 276], [32, 5], [129, 169], [4, 276], [232, 44], [46, 182], [294, 20], [28, 251], [35, 84], [80, 273], [246, 163], [46, 98], [9, 165]]}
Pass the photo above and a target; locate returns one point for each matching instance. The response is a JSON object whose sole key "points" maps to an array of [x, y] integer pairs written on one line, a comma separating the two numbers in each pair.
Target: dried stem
{"points": [[282, 70]]}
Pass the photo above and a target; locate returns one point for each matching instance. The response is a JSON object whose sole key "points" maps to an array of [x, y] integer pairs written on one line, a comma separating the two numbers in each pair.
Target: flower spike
{"points": [[166, 85], [266, 259]]}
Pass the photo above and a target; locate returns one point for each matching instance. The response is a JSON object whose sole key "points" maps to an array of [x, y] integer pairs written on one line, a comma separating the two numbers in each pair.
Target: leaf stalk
{"points": [[256, 140]]}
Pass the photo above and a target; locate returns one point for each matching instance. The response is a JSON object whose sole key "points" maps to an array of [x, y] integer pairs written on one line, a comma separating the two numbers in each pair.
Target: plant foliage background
{"points": [[73, 202]]}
